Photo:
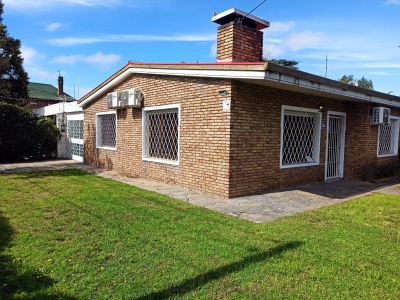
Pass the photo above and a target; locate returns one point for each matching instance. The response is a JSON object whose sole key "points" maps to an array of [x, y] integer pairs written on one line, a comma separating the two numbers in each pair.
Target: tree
{"points": [[23, 134], [362, 82], [13, 78], [284, 62]]}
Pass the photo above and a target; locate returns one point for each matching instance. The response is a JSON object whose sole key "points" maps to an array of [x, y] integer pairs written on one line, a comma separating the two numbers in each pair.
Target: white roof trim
{"points": [[260, 75], [58, 108], [228, 74]]}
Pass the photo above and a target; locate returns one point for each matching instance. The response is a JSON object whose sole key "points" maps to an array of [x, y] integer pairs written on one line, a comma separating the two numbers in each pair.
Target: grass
{"points": [[72, 235]]}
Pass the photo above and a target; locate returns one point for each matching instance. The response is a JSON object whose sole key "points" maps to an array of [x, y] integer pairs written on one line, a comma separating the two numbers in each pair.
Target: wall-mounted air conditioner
{"points": [[132, 98], [114, 100], [380, 116]]}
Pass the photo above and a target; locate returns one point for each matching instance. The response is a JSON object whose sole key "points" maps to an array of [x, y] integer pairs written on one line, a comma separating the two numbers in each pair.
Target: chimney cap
{"points": [[234, 13]]}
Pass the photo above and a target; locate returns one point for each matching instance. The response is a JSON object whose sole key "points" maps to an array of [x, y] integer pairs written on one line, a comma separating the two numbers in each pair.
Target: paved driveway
{"points": [[258, 208]]}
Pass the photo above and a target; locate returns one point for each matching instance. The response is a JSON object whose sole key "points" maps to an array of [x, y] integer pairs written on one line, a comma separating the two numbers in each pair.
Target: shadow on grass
{"points": [[27, 174], [14, 279], [202, 279]]}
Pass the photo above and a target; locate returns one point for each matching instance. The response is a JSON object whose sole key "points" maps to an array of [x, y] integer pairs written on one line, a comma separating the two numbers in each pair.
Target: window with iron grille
{"points": [[161, 134], [300, 137], [106, 130], [388, 138], [75, 129]]}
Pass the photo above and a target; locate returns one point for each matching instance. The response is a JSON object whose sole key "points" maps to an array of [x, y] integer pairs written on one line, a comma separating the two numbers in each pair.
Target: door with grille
{"points": [[335, 140]]}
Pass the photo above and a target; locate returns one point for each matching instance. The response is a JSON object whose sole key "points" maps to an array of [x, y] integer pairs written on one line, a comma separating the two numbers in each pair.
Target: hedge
{"points": [[25, 135]]}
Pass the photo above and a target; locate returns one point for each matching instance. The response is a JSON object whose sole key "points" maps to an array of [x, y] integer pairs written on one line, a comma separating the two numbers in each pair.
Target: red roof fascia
{"points": [[198, 64]]}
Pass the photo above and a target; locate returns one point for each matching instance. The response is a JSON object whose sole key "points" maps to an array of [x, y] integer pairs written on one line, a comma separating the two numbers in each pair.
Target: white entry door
{"points": [[335, 140], [75, 135]]}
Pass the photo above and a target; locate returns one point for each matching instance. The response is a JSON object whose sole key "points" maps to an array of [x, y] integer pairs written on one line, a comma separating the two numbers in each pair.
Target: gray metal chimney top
{"points": [[234, 13]]}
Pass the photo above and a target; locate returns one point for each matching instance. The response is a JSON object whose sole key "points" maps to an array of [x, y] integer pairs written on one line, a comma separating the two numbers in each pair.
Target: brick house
{"points": [[238, 126], [41, 94]]}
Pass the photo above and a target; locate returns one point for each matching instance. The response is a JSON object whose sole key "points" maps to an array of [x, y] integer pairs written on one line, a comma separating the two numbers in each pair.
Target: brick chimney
{"points": [[60, 85], [239, 38]]}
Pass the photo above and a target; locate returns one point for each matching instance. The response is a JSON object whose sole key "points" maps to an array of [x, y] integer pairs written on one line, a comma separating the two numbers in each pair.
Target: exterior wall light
{"points": [[321, 107]]}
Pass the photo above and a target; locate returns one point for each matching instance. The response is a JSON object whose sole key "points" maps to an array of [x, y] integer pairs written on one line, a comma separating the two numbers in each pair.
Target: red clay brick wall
{"points": [[236, 153], [239, 43], [361, 145], [204, 138], [256, 134], [256, 125]]}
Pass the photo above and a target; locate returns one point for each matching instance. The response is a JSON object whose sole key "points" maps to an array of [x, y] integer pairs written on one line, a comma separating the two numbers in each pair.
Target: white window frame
{"points": [[97, 130], [317, 137], [396, 138], [145, 142]]}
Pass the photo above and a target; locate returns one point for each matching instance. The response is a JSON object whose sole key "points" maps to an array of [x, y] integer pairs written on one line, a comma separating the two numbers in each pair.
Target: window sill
{"points": [[299, 165], [161, 161], [387, 155], [107, 148]]}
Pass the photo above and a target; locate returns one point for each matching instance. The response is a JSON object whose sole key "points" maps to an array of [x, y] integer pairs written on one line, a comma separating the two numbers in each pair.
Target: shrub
{"points": [[23, 134]]}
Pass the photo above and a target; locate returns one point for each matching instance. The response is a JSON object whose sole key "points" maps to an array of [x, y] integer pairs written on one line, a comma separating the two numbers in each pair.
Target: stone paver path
{"points": [[258, 208]]}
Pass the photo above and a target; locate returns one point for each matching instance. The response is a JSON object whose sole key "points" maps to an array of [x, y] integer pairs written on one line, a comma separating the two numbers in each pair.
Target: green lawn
{"points": [[72, 235]]}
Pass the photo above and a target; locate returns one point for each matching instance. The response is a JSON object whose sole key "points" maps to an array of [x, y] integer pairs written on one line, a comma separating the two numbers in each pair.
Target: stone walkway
{"points": [[258, 208]]}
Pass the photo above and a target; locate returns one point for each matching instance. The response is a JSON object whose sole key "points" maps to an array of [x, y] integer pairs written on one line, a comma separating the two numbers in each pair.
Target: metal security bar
{"points": [[387, 138], [107, 131], [162, 134], [299, 136], [334, 147], [75, 129]]}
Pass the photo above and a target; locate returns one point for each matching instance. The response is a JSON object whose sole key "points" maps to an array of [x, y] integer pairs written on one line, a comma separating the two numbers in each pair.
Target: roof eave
{"points": [[259, 73], [307, 81]]}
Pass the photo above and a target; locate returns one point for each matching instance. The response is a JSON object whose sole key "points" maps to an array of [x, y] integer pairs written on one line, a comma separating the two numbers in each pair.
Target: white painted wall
{"points": [[70, 111]]}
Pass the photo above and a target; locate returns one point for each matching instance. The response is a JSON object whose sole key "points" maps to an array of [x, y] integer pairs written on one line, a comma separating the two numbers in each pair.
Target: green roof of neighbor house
{"points": [[44, 91]]}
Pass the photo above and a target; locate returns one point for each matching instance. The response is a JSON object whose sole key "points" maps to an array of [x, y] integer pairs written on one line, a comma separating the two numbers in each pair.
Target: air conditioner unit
{"points": [[114, 100], [380, 116], [132, 98]]}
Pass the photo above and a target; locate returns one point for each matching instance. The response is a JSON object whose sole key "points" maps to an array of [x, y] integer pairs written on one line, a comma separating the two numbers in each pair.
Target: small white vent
{"points": [[380, 116], [132, 98], [353, 82]]}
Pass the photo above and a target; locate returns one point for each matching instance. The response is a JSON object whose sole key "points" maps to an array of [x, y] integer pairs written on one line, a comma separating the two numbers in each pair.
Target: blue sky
{"points": [[89, 40]]}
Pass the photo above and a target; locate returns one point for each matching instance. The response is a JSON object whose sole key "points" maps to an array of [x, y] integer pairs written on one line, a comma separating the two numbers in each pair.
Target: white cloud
{"points": [[73, 41], [395, 2], [32, 65], [280, 27], [294, 42], [273, 50], [29, 5], [99, 60], [42, 75], [213, 50], [304, 40], [31, 56], [53, 26]]}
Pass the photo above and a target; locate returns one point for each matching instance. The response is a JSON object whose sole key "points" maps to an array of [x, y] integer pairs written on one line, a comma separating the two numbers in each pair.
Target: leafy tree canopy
{"points": [[13, 78], [362, 82], [23, 134], [284, 62]]}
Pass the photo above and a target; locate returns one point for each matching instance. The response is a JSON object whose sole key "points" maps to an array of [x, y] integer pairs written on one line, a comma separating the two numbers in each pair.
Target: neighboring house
{"points": [[41, 95], [238, 126], [46, 100]]}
